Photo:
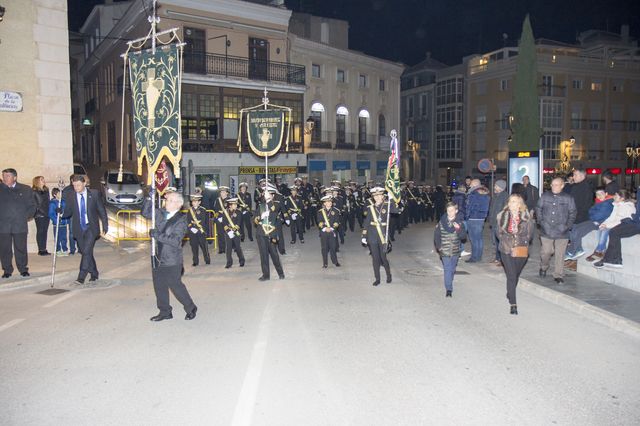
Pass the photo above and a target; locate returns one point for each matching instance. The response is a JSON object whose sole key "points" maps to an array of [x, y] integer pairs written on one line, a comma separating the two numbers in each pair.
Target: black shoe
{"points": [[161, 317], [191, 315], [242, 240], [208, 262], [227, 266], [338, 264], [449, 293], [559, 281], [469, 261], [376, 283], [293, 242], [388, 279], [241, 264], [93, 279], [25, 274], [301, 241], [542, 273], [514, 310], [250, 239], [263, 278], [281, 276], [324, 266], [194, 264], [6, 275], [599, 264], [79, 281]]}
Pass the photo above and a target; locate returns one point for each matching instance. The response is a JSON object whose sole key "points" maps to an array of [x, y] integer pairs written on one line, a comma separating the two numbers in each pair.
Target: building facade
{"points": [[351, 98], [35, 105], [589, 91], [234, 51]]}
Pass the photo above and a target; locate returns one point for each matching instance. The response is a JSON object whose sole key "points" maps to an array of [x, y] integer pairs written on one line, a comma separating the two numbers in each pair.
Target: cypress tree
{"points": [[526, 110]]}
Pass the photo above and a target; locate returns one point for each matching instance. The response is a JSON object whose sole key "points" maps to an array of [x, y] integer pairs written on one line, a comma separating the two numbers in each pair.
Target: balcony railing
{"points": [[238, 67], [550, 90]]}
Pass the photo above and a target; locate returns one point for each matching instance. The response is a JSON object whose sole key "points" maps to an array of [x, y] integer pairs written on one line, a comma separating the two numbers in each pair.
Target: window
{"points": [[504, 85], [363, 117], [551, 144], [449, 147], [381, 85], [596, 86], [340, 76], [481, 122], [617, 86], [382, 126], [341, 125], [577, 84], [200, 117], [449, 119], [423, 105], [316, 114], [209, 116], [547, 85], [576, 120], [362, 81], [449, 91], [315, 70], [551, 117], [410, 107]]}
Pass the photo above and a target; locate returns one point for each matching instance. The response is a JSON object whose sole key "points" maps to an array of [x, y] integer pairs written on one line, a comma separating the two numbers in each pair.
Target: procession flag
{"points": [[392, 181], [155, 86]]}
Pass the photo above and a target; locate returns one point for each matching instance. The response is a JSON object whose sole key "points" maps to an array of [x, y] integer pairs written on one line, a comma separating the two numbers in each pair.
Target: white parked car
{"points": [[127, 192]]}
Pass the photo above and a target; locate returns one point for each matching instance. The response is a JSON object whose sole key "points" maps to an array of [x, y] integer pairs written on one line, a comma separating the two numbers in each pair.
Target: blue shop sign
{"points": [[341, 165], [363, 165], [317, 165], [381, 165]]}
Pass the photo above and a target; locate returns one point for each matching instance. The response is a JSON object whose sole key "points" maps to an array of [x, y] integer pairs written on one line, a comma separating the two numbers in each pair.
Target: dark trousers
{"points": [[614, 250], [267, 248], [170, 277], [233, 244], [512, 268], [86, 242], [328, 246], [220, 237], [19, 243], [342, 227], [280, 231], [351, 220], [379, 258], [360, 216], [475, 228], [449, 264], [42, 227], [246, 230], [199, 241], [496, 243], [297, 228], [60, 234]]}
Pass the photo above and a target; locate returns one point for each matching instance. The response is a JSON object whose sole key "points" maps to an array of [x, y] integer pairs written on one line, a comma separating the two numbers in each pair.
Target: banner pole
{"points": [[386, 237]]}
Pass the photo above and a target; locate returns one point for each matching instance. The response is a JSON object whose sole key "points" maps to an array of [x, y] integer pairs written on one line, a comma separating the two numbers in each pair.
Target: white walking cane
{"points": [[56, 233]]}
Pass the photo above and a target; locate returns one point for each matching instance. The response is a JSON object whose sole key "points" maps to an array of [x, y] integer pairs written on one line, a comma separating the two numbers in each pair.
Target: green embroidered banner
{"points": [[265, 130], [155, 86]]}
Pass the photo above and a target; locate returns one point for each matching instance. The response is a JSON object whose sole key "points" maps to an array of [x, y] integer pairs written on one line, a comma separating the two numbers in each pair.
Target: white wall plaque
{"points": [[10, 101]]}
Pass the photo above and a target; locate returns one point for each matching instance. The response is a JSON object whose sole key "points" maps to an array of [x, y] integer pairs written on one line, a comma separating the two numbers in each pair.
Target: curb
{"points": [[585, 309]]}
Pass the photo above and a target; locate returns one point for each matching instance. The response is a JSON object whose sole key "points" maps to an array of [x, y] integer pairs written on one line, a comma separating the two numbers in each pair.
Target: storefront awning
{"points": [[341, 165], [317, 165], [363, 165]]}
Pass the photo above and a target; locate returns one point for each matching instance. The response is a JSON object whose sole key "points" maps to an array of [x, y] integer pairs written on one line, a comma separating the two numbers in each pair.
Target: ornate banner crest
{"points": [[392, 181], [265, 130], [155, 86]]}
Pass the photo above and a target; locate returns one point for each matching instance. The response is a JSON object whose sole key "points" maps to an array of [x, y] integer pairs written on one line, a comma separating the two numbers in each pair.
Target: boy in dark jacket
{"points": [[597, 214], [447, 237], [60, 225]]}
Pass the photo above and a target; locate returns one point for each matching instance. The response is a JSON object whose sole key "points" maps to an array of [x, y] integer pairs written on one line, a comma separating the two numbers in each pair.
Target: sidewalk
{"points": [[602, 302]]}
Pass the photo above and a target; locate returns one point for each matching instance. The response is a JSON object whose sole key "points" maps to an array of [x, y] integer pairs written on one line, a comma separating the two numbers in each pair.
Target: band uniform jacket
{"points": [[201, 221], [270, 221], [232, 222], [333, 215], [244, 202], [169, 234], [294, 205], [17, 206], [380, 214], [96, 213]]}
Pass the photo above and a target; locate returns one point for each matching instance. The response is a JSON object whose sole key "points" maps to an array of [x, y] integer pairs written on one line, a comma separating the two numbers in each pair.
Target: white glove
{"points": [[194, 230], [220, 219], [294, 216], [264, 215], [244, 212], [364, 241], [231, 234], [288, 222]]}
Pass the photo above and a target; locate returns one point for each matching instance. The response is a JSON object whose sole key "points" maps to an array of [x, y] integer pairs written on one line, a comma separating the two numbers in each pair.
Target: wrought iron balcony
{"points": [[238, 67]]}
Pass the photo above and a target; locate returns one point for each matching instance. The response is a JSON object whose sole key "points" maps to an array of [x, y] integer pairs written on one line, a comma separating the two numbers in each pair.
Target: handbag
{"points": [[520, 251]]}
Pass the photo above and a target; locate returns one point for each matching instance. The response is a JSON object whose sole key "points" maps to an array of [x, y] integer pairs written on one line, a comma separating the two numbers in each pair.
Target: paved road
{"points": [[322, 347]]}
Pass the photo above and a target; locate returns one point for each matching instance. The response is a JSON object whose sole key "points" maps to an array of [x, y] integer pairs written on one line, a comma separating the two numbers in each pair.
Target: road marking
{"points": [[243, 413], [11, 324], [60, 299]]}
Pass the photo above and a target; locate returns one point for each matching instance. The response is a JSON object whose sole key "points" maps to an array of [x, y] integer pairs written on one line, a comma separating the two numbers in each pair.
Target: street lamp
{"points": [[633, 153]]}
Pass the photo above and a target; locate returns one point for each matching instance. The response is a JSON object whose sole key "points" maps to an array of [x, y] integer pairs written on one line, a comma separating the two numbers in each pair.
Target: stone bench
{"points": [[628, 276]]}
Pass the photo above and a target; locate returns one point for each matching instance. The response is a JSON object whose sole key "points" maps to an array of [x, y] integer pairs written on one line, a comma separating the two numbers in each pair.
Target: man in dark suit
{"points": [[17, 206], [85, 208], [171, 226]]}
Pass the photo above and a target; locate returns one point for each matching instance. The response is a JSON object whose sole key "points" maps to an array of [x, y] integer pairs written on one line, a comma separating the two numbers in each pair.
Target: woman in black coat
{"points": [[41, 196]]}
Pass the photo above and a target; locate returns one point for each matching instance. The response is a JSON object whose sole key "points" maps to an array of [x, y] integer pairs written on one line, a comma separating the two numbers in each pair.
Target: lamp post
{"points": [[227, 43], [633, 152]]}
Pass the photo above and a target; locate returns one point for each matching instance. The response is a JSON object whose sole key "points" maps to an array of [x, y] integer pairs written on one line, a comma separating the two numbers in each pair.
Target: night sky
{"points": [[404, 30]]}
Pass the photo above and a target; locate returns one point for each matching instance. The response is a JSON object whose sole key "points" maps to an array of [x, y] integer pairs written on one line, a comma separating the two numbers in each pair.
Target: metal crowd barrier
{"points": [[132, 226]]}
